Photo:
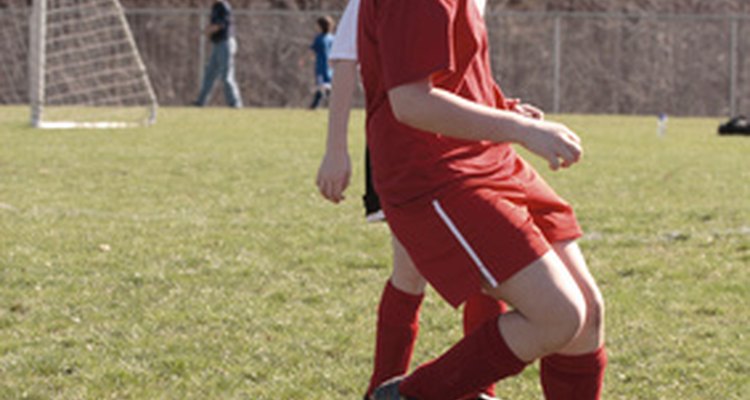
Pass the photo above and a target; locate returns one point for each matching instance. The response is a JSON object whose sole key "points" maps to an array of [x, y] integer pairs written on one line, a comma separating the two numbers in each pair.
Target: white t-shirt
{"points": [[481, 5], [345, 42]]}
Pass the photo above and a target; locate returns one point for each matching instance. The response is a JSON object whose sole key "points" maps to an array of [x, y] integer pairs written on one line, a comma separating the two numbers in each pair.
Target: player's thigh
{"points": [[544, 292], [549, 308], [405, 275], [571, 255]]}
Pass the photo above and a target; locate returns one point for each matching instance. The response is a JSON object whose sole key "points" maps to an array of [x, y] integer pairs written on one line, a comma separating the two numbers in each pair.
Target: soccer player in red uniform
{"points": [[401, 298], [472, 214]]}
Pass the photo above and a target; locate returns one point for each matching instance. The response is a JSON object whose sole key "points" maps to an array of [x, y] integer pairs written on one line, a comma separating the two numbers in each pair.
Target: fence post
{"points": [[734, 48], [202, 21], [557, 66]]}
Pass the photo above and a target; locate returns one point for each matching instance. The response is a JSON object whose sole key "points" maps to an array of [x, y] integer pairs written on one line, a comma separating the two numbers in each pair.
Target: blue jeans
{"points": [[221, 64]]}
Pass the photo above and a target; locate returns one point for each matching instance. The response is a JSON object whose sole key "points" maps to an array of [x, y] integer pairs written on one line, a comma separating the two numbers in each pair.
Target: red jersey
{"points": [[403, 41]]}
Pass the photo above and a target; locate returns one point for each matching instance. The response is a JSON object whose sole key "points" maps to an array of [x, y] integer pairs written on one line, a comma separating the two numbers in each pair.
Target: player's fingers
{"points": [[329, 192], [536, 113], [319, 182], [566, 157], [342, 184], [554, 163], [336, 192], [570, 154], [576, 151], [323, 189], [345, 181], [566, 163], [572, 136]]}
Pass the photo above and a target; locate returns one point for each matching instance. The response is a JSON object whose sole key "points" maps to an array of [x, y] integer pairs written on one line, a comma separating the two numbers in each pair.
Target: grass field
{"points": [[195, 260]]}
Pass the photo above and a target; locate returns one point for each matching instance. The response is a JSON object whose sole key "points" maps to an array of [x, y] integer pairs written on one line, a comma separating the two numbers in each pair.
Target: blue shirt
{"points": [[322, 48], [221, 14]]}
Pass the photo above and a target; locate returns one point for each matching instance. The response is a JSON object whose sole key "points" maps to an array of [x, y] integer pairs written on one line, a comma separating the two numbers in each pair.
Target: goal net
{"points": [[84, 67]]}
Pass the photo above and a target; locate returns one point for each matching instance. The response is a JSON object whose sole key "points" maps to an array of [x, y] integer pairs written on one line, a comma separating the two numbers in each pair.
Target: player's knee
{"points": [[407, 279], [565, 323], [405, 275], [595, 311], [412, 286]]}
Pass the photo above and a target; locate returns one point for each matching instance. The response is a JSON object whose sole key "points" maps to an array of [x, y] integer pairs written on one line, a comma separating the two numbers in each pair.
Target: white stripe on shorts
{"points": [[477, 261]]}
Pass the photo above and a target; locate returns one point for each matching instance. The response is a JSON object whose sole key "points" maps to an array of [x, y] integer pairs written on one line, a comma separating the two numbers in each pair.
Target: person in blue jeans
{"points": [[321, 46], [221, 62]]}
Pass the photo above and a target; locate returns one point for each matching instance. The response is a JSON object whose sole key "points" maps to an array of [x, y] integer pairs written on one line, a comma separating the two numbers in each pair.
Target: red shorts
{"points": [[486, 232]]}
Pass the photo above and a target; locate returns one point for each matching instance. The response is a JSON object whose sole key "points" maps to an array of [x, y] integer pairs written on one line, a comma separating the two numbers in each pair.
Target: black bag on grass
{"points": [[736, 126]]}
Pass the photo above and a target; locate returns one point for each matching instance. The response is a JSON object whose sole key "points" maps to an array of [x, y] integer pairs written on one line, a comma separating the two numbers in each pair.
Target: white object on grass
{"points": [[661, 125]]}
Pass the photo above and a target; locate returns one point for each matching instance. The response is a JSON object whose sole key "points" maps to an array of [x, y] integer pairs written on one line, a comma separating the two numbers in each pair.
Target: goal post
{"points": [[85, 70]]}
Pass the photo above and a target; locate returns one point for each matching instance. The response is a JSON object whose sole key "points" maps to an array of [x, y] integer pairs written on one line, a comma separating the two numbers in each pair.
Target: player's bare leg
{"points": [[577, 370], [549, 312], [550, 309], [591, 336], [405, 276]]}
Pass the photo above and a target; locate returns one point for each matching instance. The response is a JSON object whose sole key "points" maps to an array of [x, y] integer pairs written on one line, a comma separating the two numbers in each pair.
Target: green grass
{"points": [[195, 260]]}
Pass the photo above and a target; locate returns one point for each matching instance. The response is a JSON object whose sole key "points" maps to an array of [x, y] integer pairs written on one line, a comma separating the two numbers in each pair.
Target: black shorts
{"points": [[371, 199]]}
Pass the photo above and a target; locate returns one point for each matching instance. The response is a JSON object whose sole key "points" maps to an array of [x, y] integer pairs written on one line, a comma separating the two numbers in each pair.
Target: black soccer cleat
{"points": [[389, 391]]}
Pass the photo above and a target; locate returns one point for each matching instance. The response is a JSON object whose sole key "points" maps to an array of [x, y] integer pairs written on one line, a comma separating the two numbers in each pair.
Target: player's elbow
{"points": [[406, 101], [343, 65]]}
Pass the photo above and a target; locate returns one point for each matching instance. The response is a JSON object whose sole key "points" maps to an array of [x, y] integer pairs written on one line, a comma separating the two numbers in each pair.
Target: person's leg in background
{"points": [[210, 74], [398, 319], [398, 310], [319, 92], [231, 89]]}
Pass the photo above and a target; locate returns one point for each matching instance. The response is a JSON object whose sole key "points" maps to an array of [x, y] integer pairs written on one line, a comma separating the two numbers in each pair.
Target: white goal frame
{"points": [[120, 112]]}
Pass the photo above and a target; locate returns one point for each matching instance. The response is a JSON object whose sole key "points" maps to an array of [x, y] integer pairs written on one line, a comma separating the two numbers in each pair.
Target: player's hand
{"points": [[554, 142], [333, 176], [528, 110]]}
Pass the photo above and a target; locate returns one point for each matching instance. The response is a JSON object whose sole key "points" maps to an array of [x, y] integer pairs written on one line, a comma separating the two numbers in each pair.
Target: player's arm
{"points": [[525, 109], [335, 168], [424, 107]]}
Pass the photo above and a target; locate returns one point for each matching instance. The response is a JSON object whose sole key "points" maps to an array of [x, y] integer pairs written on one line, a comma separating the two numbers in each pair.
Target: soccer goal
{"points": [[84, 67]]}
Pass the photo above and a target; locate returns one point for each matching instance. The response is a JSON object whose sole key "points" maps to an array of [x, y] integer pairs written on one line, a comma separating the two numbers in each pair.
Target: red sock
{"points": [[479, 309], [476, 361], [397, 328], [573, 377]]}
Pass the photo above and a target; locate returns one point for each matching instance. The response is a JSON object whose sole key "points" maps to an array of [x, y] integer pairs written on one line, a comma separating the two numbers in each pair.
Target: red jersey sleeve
{"points": [[415, 39]]}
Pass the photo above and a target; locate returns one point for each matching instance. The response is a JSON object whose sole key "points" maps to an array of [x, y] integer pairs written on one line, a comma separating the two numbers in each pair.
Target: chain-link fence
{"points": [[14, 54], [564, 62], [624, 63]]}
